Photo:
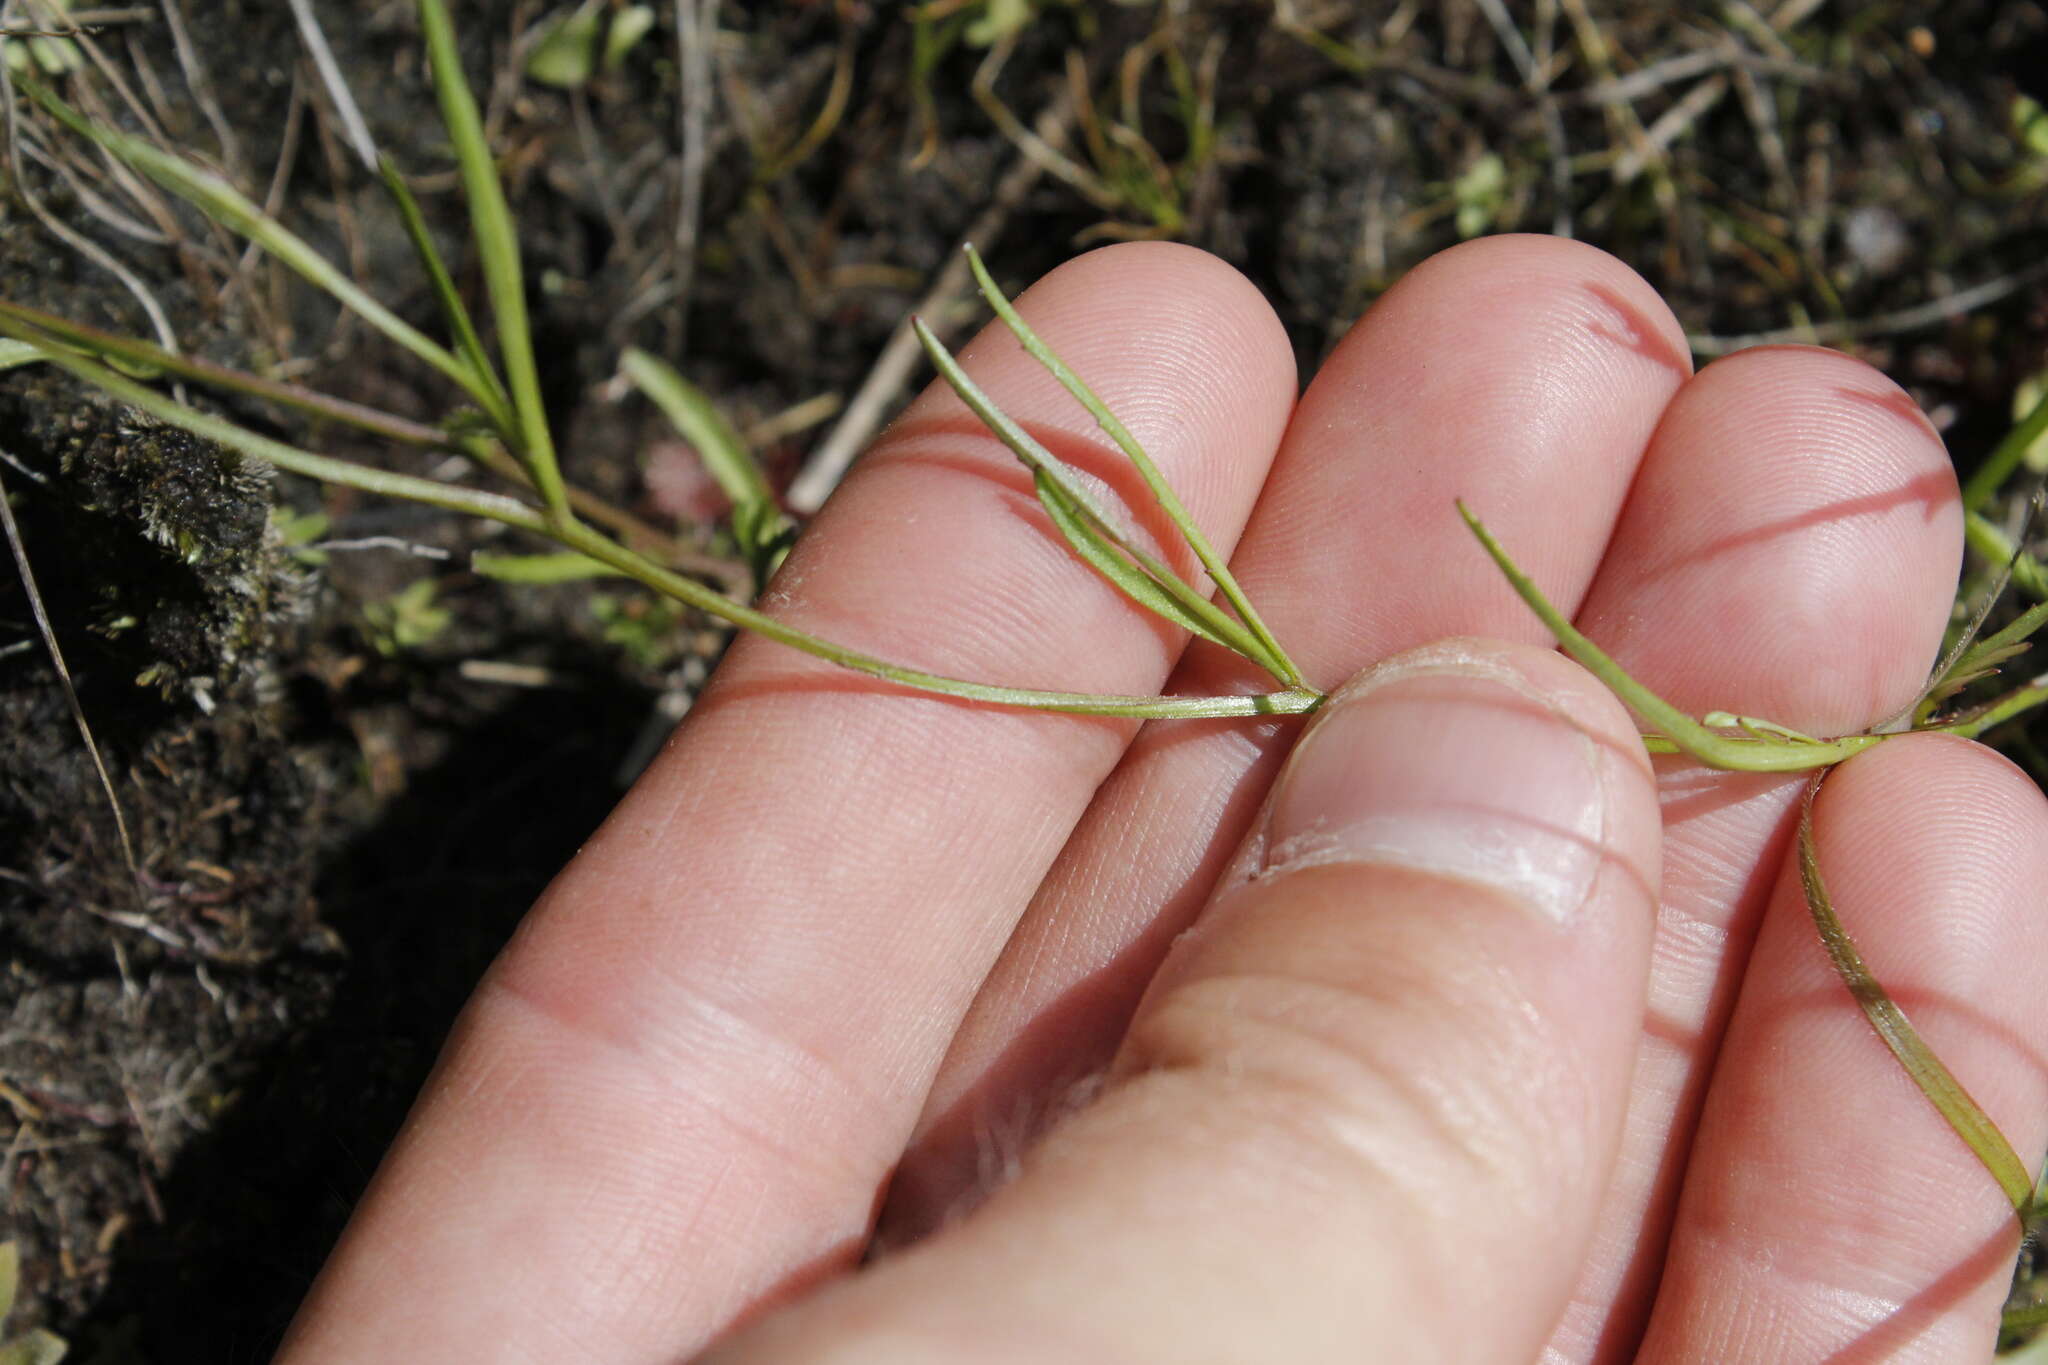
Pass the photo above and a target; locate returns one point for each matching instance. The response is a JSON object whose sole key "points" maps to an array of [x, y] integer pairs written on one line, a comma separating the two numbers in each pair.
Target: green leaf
{"points": [[566, 54], [758, 522], [1103, 557], [1764, 746], [498, 249], [564, 567], [407, 619], [1935, 1081], [1268, 653], [13, 353], [629, 26], [468, 344], [10, 1277], [2010, 454], [226, 205], [1045, 466]]}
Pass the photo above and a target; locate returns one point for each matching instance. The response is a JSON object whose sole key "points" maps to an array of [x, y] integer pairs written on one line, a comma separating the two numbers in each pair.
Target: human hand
{"points": [[1436, 1076]]}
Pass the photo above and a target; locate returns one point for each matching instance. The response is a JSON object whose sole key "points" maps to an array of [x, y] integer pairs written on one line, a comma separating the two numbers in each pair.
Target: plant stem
{"points": [[576, 536]]}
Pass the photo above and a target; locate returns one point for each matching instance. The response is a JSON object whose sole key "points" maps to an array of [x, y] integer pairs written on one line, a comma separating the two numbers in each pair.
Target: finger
{"points": [[1412, 1021], [1789, 551], [1523, 373], [1829, 1212], [684, 1080]]}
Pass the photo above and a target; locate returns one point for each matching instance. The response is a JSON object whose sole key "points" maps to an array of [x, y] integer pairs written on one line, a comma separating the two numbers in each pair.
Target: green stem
{"points": [[155, 359], [578, 537], [1753, 753]]}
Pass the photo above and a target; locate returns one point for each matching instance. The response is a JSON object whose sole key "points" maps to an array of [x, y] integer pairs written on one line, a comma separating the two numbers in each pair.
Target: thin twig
{"points": [[1945, 309], [56, 652], [83, 245], [353, 127], [1671, 125], [202, 90], [696, 32]]}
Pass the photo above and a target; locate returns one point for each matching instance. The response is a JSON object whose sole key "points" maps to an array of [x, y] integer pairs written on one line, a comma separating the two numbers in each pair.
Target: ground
{"points": [[343, 788]]}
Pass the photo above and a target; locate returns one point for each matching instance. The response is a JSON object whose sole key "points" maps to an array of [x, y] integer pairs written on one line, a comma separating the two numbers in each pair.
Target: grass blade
{"points": [[566, 566], [1935, 1080], [2004, 458], [1103, 557], [1764, 748], [226, 205], [461, 326], [498, 248], [1269, 648], [1078, 506]]}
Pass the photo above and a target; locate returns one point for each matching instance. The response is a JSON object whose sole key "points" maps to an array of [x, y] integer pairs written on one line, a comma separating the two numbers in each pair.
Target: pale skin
{"points": [[846, 956]]}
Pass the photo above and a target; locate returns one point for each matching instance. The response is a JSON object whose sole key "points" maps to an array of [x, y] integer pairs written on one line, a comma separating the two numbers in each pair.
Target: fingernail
{"points": [[1449, 761]]}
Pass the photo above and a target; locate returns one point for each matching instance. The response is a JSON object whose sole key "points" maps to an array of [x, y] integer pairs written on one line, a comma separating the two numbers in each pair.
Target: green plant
{"points": [[406, 619], [504, 428]]}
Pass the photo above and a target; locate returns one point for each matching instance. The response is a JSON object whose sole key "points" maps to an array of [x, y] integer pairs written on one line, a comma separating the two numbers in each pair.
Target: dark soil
{"points": [[338, 820]]}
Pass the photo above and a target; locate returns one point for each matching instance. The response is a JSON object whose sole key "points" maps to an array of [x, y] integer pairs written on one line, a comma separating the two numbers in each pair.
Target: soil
{"points": [[342, 797]]}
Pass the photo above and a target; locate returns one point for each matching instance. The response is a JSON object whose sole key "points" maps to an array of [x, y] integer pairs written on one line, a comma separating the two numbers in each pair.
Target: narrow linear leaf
{"points": [[1047, 467], [468, 344], [1934, 1079], [13, 353], [1162, 491], [565, 567], [1103, 557], [498, 249], [1996, 713], [763, 530], [2006, 457], [226, 205], [693, 414], [1749, 754]]}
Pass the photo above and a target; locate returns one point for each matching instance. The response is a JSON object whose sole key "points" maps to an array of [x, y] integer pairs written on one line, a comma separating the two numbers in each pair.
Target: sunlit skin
{"points": [[1459, 1030]]}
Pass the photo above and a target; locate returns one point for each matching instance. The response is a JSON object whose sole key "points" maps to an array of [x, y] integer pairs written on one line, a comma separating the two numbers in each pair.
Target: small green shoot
{"points": [[575, 45], [406, 620], [648, 629]]}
